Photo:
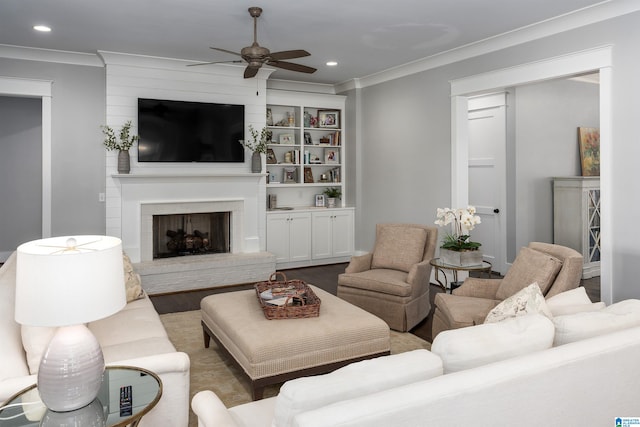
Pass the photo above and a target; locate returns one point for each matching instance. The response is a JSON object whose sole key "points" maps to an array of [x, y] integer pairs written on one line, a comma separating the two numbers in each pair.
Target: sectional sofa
{"points": [[572, 363], [134, 336]]}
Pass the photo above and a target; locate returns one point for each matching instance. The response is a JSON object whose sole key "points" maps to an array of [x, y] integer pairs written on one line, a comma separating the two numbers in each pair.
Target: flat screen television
{"points": [[181, 131]]}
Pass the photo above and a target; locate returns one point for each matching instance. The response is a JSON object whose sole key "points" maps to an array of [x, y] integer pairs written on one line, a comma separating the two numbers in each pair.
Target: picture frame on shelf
{"points": [[307, 139], [329, 119], [589, 144], [290, 176], [308, 176], [319, 200], [331, 157], [287, 138], [271, 157]]}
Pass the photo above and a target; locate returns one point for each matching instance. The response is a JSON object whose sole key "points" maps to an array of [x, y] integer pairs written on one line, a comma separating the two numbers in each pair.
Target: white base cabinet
{"points": [[332, 233], [576, 219], [289, 236], [327, 239]]}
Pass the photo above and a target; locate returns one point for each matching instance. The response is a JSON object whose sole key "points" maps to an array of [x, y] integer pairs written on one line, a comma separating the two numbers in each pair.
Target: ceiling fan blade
{"points": [[237, 61], [250, 72], [292, 67], [224, 50], [289, 54]]}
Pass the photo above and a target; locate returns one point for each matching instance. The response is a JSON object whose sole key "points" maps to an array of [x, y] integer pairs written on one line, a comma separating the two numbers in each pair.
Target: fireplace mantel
{"points": [[162, 176]]}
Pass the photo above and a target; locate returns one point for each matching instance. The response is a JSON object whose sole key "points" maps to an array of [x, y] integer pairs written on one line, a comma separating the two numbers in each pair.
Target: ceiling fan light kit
{"points": [[256, 56]]}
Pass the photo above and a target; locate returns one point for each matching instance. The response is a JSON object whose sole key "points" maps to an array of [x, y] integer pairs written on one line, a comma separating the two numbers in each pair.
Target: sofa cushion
{"points": [[479, 345], [354, 380], [35, 340], [398, 247], [575, 327], [13, 363], [571, 302], [529, 266], [527, 301]]}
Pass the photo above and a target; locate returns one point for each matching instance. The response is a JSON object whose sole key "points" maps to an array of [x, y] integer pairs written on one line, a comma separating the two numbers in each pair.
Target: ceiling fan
{"points": [[256, 56]]}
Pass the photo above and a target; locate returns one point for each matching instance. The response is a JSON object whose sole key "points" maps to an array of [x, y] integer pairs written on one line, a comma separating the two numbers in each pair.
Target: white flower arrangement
{"points": [[463, 221]]}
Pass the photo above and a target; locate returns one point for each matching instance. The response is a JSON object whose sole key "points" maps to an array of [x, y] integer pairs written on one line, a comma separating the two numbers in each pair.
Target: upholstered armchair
{"points": [[392, 281], [555, 268]]}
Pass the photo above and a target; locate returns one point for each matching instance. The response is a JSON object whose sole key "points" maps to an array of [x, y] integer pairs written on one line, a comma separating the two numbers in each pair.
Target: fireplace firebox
{"points": [[191, 234]]}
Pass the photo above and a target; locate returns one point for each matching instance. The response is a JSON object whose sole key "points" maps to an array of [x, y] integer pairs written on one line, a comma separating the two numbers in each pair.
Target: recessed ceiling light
{"points": [[332, 63], [42, 28]]}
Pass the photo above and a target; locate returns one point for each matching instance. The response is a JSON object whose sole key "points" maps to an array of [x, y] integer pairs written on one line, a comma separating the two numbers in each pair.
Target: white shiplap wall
{"points": [[129, 77]]}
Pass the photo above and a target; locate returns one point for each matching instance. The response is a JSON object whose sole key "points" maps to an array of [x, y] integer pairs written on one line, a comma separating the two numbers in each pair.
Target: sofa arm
{"points": [[174, 370], [11, 386], [359, 263], [210, 410], [478, 288]]}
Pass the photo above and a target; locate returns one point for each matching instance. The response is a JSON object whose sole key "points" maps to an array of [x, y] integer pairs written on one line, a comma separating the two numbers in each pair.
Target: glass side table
{"points": [[440, 266], [126, 395]]}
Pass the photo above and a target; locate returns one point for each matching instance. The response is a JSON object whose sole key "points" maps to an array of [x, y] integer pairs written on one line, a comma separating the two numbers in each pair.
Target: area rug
{"points": [[211, 370]]}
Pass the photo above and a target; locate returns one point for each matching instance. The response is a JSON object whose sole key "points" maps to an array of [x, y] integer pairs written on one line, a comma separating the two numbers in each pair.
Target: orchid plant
{"points": [[462, 222]]}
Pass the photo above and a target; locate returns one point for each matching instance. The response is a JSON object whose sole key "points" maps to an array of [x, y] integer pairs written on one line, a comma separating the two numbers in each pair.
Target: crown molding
{"points": [[50, 55], [291, 85], [590, 15]]}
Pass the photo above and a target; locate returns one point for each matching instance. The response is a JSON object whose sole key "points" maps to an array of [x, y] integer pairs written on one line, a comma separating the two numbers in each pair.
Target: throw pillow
{"points": [[35, 340], [132, 282], [398, 247], [467, 348], [575, 327], [354, 380], [529, 266], [527, 301]]}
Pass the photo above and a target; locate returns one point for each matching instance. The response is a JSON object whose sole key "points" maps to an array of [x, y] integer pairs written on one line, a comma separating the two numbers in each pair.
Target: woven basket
{"points": [[303, 304]]}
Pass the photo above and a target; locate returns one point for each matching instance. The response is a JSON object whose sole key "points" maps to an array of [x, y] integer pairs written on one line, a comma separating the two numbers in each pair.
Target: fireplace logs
{"points": [[183, 243]]}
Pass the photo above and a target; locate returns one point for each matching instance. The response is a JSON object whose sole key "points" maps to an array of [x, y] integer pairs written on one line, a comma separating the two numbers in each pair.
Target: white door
{"points": [[487, 177]]}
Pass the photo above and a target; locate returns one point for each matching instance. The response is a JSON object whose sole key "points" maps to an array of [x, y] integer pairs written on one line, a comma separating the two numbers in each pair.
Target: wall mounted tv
{"points": [[180, 131]]}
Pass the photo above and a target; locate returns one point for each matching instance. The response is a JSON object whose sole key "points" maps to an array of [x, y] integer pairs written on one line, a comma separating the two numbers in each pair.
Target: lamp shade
{"points": [[62, 281]]}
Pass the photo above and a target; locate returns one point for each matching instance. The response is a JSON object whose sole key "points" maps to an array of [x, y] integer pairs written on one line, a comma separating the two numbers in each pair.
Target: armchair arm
{"points": [[211, 411], [478, 288], [359, 263], [419, 273]]}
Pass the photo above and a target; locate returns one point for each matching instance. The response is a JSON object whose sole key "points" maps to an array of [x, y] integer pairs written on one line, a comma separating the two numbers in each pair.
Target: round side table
{"points": [[126, 395], [440, 266]]}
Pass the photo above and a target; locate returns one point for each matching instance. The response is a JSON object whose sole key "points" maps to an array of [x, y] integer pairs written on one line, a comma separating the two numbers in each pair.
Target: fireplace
{"points": [[191, 234]]}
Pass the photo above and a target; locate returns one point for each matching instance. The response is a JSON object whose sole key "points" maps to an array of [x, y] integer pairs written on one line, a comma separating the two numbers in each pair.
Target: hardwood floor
{"points": [[325, 277]]}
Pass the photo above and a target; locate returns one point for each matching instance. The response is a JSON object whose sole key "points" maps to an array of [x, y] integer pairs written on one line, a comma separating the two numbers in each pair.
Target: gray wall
{"points": [[406, 139], [547, 117], [20, 162], [78, 110]]}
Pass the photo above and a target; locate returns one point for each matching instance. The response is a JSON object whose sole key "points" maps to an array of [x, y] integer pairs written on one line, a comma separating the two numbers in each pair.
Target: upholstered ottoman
{"points": [[274, 351]]}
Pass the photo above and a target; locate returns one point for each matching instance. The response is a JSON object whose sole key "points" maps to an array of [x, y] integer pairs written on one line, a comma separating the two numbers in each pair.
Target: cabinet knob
{"points": [[496, 210]]}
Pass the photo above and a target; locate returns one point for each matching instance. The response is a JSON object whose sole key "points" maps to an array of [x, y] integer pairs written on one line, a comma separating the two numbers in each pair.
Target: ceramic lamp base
{"points": [[70, 373]]}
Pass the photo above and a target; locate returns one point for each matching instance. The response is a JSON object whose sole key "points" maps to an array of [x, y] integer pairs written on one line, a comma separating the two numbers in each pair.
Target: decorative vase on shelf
{"points": [[124, 161], [256, 162], [461, 258]]}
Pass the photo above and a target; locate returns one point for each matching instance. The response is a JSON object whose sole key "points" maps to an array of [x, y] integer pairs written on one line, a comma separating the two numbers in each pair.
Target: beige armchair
{"points": [[392, 281], [556, 269]]}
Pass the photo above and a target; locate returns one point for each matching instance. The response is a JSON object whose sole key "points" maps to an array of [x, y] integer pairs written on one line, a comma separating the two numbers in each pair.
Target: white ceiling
{"points": [[365, 37]]}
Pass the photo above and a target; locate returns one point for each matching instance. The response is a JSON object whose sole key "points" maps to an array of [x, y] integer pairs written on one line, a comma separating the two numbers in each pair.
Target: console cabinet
{"points": [[327, 238], [576, 219]]}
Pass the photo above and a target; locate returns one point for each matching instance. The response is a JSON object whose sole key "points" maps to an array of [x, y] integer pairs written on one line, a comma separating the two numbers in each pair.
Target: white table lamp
{"points": [[66, 282]]}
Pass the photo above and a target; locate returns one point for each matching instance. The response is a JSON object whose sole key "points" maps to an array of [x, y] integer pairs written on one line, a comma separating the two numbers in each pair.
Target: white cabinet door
{"points": [[322, 236], [332, 233], [342, 233], [278, 236], [299, 237]]}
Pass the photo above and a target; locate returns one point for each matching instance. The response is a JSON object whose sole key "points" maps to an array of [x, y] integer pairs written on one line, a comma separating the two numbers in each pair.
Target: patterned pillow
{"points": [[527, 301], [398, 247], [132, 281], [529, 266]]}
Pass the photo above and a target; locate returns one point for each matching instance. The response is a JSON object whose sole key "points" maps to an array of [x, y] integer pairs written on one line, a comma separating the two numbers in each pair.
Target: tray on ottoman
{"points": [[273, 352]]}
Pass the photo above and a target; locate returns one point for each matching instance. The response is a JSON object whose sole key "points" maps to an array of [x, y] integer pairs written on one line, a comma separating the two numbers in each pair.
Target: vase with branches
{"points": [[122, 144]]}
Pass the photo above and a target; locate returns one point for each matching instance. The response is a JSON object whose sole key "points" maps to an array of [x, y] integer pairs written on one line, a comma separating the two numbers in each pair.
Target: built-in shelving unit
{"points": [[305, 157]]}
